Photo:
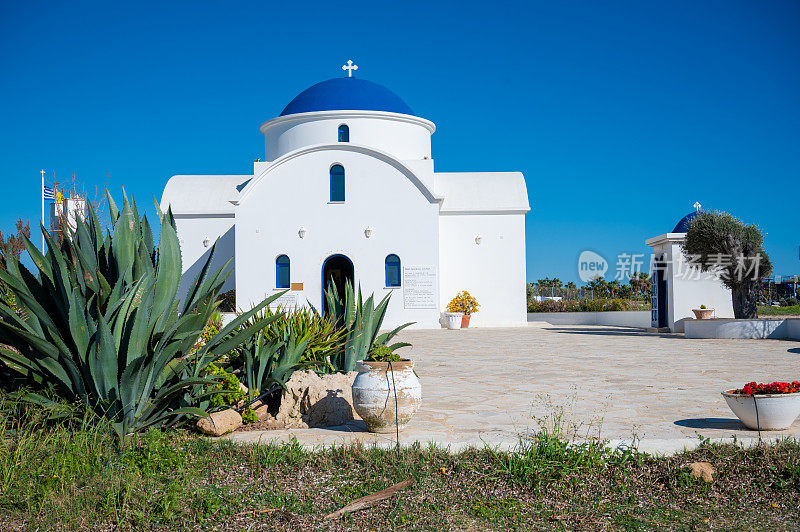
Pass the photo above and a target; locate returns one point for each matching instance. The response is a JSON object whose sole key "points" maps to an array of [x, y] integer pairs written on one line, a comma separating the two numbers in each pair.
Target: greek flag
{"points": [[48, 193]]}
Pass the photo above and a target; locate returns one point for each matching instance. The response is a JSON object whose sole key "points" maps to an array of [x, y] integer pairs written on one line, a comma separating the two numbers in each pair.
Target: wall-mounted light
{"points": [[368, 232], [206, 242], [478, 240], [302, 232]]}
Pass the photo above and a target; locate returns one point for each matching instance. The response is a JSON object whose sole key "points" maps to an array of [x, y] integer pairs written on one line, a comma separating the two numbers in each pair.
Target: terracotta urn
{"points": [[374, 391], [703, 313], [764, 411], [465, 321]]}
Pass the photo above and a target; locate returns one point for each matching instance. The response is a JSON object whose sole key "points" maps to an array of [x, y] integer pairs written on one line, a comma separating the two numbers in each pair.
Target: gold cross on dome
{"points": [[349, 67]]}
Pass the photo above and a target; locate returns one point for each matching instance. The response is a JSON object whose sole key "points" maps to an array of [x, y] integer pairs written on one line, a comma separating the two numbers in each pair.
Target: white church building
{"points": [[347, 190]]}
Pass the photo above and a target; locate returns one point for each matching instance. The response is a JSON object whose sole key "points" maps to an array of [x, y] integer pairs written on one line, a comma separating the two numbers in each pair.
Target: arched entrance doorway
{"points": [[339, 270]]}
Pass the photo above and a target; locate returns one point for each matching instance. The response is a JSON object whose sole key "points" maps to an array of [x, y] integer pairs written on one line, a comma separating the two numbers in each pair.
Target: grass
{"points": [[764, 310], [74, 475]]}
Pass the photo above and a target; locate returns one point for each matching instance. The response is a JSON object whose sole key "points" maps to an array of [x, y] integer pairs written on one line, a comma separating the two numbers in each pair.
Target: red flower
{"points": [[752, 388]]}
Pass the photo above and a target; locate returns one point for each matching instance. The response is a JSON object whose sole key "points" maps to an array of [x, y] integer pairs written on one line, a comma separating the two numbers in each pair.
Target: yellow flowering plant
{"points": [[463, 302]]}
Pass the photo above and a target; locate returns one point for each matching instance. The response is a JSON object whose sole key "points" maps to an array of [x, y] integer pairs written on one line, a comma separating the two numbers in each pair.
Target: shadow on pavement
{"points": [[712, 423], [610, 331], [353, 426], [795, 350]]}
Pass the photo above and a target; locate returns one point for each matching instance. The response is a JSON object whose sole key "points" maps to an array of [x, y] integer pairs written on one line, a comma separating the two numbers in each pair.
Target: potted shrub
{"points": [[703, 313], [465, 304], [386, 389], [772, 406]]}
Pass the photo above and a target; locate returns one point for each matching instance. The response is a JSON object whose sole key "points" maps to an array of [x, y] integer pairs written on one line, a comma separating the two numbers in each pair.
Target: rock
{"points": [[703, 470], [313, 401], [262, 411], [220, 423]]}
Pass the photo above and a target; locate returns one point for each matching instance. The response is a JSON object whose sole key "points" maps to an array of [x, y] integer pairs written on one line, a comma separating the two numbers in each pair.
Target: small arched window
{"points": [[344, 133], [337, 182], [392, 270], [282, 272]]}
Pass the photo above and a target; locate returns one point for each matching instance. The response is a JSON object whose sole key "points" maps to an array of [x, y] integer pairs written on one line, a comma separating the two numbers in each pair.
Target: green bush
{"points": [[100, 324], [586, 305], [382, 353], [249, 416], [292, 340], [228, 391]]}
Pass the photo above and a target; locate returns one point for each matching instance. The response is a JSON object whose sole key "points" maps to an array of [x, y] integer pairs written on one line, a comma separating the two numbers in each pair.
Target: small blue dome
{"points": [[683, 225], [347, 94]]}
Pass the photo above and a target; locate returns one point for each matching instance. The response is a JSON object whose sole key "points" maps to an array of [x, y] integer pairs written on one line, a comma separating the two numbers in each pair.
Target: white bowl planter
{"points": [[775, 411], [374, 394], [452, 320]]}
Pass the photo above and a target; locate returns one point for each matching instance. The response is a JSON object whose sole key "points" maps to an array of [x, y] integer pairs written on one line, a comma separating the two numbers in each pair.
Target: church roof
{"points": [[347, 94], [683, 225], [202, 194], [487, 192]]}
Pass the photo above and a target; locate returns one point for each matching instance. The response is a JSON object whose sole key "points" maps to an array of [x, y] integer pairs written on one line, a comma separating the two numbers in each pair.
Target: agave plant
{"points": [[268, 360], [293, 340], [100, 322], [361, 321]]}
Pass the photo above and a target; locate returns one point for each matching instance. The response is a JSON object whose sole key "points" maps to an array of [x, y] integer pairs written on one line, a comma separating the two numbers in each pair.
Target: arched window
{"points": [[337, 182], [344, 133], [282, 275], [392, 270]]}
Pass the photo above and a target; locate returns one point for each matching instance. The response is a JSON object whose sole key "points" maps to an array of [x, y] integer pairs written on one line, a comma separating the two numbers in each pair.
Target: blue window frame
{"points": [[337, 182], [392, 270], [282, 272], [344, 133]]}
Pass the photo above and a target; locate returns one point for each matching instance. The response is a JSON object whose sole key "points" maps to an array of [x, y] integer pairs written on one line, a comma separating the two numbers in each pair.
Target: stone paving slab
{"points": [[495, 386]]}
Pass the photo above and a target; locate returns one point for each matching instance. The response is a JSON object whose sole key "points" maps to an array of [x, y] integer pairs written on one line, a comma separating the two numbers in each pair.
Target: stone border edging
{"points": [[762, 328], [639, 319]]}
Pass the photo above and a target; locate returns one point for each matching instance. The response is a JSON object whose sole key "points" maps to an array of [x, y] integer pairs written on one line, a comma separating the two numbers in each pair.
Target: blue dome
{"points": [[683, 225], [347, 94]]}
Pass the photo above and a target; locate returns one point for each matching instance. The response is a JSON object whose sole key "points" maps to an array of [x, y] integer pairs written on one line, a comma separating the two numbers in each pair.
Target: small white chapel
{"points": [[677, 286], [347, 190]]}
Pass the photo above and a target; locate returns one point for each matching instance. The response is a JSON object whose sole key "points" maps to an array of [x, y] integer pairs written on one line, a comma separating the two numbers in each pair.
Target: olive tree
{"points": [[719, 242]]}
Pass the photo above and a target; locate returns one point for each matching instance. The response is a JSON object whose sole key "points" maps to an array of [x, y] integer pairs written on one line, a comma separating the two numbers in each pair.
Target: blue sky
{"points": [[620, 114]]}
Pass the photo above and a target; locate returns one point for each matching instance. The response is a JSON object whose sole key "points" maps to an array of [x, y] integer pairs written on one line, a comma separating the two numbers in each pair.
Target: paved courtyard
{"points": [[494, 386]]}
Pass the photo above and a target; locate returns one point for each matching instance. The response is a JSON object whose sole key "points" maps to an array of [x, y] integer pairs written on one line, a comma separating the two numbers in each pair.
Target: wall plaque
{"points": [[297, 287], [287, 301], [420, 287]]}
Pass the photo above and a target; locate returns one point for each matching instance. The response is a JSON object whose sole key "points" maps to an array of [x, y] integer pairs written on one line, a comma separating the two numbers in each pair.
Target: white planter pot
{"points": [[374, 394], [775, 411], [452, 320]]}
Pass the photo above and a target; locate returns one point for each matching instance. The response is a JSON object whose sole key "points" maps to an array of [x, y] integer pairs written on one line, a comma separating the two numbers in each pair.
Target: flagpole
{"points": [[41, 193]]}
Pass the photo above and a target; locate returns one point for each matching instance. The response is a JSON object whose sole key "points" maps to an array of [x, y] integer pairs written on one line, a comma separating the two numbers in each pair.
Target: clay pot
{"points": [[374, 394], [703, 313], [465, 321], [776, 411]]}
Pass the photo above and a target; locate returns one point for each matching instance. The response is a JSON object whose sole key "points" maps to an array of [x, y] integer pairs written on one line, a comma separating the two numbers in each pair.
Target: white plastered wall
{"points": [[192, 231], [492, 271], [295, 194], [404, 137]]}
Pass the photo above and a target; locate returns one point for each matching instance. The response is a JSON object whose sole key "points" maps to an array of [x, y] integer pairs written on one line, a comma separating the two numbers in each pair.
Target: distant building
{"points": [[64, 212], [678, 287], [347, 191]]}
